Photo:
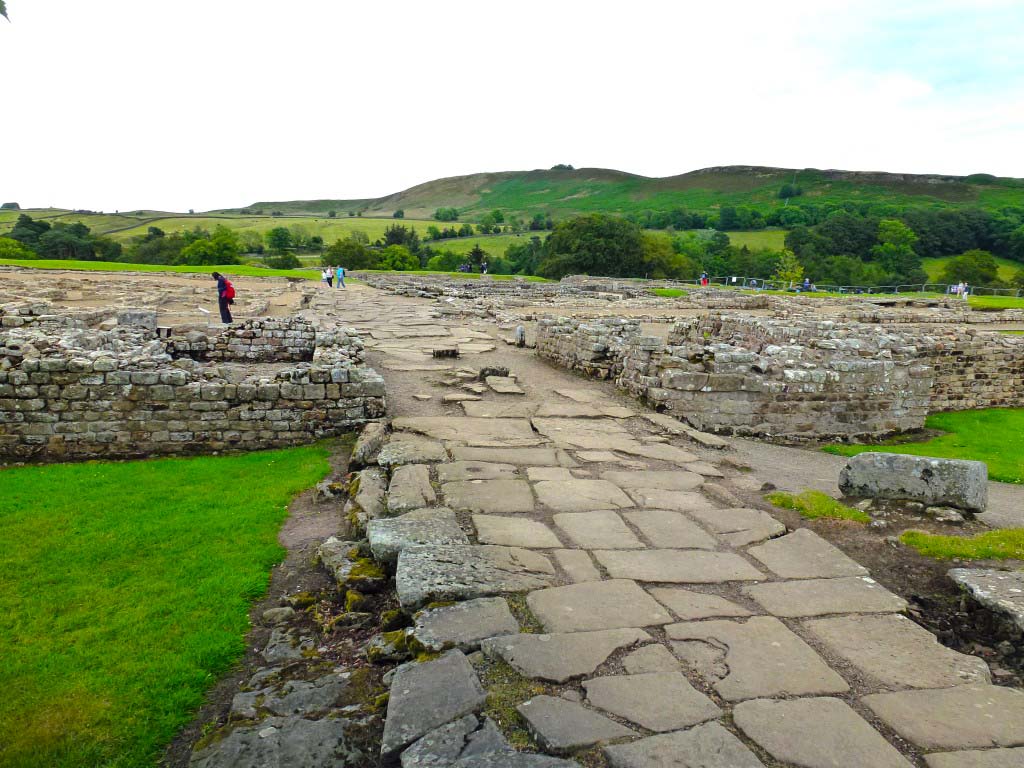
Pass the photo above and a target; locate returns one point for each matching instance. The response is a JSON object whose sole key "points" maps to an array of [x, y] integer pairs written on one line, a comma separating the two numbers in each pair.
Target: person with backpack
{"points": [[225, 296]]}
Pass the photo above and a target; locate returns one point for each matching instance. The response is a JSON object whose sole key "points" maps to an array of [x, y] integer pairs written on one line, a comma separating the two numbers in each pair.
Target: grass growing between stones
{"points": [[125, 594], [669, 293], [815, 505], [506, 690], [992, 435], [993, 545]]}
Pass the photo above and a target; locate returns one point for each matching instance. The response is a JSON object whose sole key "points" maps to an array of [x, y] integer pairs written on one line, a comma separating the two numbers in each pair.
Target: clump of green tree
{"points": [[976, 267], [446, 214], [193, 247], [63, 240]]}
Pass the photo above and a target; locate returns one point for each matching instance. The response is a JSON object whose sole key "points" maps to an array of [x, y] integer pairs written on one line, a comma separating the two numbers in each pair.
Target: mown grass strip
{"points": [[992, 435], [242, 270], [992, 545], [815, 505], [125, 594]]}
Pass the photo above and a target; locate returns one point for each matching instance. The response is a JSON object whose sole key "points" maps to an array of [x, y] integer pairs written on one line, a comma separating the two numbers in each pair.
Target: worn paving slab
{"points": [[657, 701], [588, 434], [410, 488], [739, 526], [650, 658], [705, 746], [465, 624], [677, 480], [474, 470], [704, 469], [678, 501], [537, 474], [816, 733], [670, 530], [897, 652], [504, 385], [965, 717], [596, 605], [497, 433], [561, 656], [539, 457], [389, 536], [563, 410], [280, 741], [444, 746], [426, 696], [760, 657], [674, 566], [977, 758], [410, 448], [497, 496], [577, 565], [500, 409], [562, 726], [371, 493], [803, 554], [820, 597], [514, 532], [689, 605], [597, 530], [660, 451], [462, 572], [578, 495], [513, 760]]}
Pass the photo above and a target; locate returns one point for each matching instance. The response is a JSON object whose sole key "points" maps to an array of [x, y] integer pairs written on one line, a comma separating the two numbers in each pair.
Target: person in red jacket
{"points": [[225, 296]]}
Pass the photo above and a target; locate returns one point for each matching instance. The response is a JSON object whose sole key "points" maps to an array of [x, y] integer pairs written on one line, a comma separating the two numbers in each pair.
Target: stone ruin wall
{"points": [[795, 378], [69, 390]]}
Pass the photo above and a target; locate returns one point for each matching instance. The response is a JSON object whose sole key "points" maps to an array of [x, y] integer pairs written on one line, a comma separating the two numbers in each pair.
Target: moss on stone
{"points": [[392, 619], [355, 601], [300, 601], [527, 621], [506, 690]]}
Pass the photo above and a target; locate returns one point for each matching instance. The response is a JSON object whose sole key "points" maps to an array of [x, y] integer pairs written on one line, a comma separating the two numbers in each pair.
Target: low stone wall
{"points": [[263, 340], [90, 393], [792, 377]]}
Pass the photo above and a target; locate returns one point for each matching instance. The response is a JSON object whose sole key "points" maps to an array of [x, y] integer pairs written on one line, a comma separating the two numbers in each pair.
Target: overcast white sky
{"points": [[125, 104]]}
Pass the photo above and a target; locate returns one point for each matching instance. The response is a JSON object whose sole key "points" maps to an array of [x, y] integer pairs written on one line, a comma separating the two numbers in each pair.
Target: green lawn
{"points": [[242, 270], [1006, 544], [668, 293], [462, 275], [495, 245], [125, 594], [774, 239], [934, 267], [993, 435]]}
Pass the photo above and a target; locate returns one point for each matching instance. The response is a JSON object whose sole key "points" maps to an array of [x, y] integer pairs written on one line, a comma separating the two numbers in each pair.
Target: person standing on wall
{"points": [[225, 297], [340, 273]]}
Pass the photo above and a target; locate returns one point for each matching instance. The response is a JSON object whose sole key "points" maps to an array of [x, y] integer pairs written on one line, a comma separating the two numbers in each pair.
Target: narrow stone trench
{"points": [[563, 578]]}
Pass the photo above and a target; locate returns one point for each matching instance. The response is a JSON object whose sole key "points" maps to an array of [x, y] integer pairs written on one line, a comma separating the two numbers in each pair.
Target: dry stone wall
{"points": [[263, 340], [68, 390], [795, 378]]}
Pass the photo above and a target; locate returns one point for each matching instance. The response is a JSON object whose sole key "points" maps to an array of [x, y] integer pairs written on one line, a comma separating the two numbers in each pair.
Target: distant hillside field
{"points": [[567, 192], [934, 267]]}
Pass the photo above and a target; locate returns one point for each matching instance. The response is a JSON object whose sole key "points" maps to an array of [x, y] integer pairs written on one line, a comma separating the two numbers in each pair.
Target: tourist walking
{"points": [[225, 297], [325, 276], [340, 274]]}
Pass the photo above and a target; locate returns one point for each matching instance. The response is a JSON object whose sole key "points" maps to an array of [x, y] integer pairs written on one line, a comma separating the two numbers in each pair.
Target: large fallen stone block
{"points": [[935, 482]]}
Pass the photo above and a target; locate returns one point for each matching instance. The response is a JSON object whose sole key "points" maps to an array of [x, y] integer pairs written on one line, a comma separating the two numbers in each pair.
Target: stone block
{"points": [[931, 481]]}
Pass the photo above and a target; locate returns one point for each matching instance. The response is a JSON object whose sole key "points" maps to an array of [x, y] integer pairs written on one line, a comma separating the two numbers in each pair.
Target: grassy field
{"points": [[495, 245], [126, 593], [773, 239], [1007, 268], [993, 435], [459, 275], [242, 270]]}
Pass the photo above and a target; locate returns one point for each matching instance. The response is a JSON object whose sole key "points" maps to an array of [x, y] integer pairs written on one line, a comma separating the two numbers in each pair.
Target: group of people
{"points": [[961, 289], [468, 267], [330, 274]]}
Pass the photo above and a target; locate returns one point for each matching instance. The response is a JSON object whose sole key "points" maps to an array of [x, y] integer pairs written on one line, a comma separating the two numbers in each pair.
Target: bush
{"points": [[446, 214], [283, 261], [399, 258], [12, 249]]}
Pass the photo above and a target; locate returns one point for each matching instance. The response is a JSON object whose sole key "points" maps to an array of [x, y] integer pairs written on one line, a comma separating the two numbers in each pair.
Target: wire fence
{"points": [[762, 284]]}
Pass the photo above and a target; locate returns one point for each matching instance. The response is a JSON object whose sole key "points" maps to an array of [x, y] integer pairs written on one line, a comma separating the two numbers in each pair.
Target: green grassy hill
{"points": [[934, 267], [565, 192]]}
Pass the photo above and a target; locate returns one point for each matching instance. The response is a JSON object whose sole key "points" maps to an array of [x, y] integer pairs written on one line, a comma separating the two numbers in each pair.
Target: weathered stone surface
{"points": [[501, 409], [563, 656], [816, 733], [678, 480], [659, 451], [988, 758], [460, 572], [657, 701], [965, 717], [537, 457], [279, 741], [803, 554], [369, 443], [410, 488], [999, 591], [689, 605], [704, 469], [675, 427], [370, 493], [580, 495], [504, 385], [473, 470], [442, 746], [464, 625], [677, 566], [497, 433], [514, 532], [897, 652], [756, 658], [740, 526], [563, 410], [595, 605], [587, 434], [426, 696], [933, 482], [287, 645], [819, 597], [562, 726], [349, 569], [503, 495], [650, 658], [459, 397], [679, 501], [597, 530], [389, 536], [577, 565], [536, 474], [513, 760], [292, 697], [406, 448], [705, 746], [670, 530]]}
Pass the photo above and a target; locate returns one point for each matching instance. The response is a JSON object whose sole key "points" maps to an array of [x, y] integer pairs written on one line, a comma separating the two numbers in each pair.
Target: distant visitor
{"points": [[225, 296]]}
